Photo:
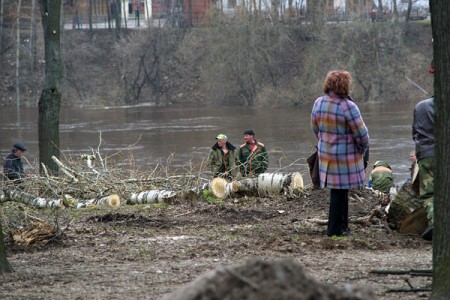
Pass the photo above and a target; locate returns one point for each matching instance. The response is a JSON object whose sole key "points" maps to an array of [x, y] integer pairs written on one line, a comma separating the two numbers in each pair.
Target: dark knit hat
{"points": [[20, 146], [249, 131]]}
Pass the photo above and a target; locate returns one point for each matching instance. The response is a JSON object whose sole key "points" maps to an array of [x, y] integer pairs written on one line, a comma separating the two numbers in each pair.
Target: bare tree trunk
{"points": [[77, 21], [408, 11], [5, 267], [33, 37], [440, 18], [394, 3], [50, 100], [90, 15], [380, 8], [1, 25], [148, 13], [125, 12], [19, 3], [189, 13]]}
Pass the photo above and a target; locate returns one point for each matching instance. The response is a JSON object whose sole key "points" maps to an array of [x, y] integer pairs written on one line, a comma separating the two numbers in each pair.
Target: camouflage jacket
{"points": [[382, 179], [223, 164]]}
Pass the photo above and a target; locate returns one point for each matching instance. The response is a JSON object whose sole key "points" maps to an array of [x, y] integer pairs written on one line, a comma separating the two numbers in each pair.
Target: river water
{"points": [[185, 134]]}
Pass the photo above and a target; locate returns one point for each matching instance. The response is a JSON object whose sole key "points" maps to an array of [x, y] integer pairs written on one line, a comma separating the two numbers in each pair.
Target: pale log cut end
{"points": [[297, 181], [114, 200], [235, 185], [218, 187]]}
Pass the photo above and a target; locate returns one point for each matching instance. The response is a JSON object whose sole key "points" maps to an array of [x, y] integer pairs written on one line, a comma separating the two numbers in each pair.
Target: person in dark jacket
{"points": [[253, 156], [222, 158], [423, 136], [13, 166]]}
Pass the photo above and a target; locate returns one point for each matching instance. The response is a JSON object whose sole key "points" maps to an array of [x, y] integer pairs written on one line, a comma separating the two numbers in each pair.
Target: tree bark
{"points": [[440, 20], [111, 200], [65, 202], [5, 267], [19, 125], [31, 200], [405, 202], [149, 197], [90, 15], [1, 27], [50, 100], [33, 38], [265, 184]]}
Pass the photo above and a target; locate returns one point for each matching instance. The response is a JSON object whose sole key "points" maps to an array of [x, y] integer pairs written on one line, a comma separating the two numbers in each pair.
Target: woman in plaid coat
{"points": [[342, 141]]}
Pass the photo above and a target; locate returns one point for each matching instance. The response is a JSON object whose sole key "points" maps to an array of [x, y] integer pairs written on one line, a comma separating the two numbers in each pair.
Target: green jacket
{"points": [[221, 164], [253, 161]]}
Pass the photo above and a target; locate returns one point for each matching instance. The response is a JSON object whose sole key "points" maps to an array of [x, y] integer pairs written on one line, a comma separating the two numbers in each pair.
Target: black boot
{"points": [[428, 233]]}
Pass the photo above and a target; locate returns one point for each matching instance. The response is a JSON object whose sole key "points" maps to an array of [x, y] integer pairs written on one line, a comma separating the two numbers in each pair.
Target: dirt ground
{"points": [[149, 251]]}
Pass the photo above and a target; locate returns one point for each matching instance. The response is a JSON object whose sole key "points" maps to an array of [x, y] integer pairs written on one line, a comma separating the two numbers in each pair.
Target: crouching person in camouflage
{"points": [[381, 177]]}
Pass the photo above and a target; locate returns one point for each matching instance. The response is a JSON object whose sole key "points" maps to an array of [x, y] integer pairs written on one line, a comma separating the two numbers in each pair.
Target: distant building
{"points": [[339, 8], [183, 12], [190, 12], [81, 12]]}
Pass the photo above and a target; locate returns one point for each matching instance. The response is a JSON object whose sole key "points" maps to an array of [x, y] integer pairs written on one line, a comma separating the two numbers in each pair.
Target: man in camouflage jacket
{"points": [[222, 158]]}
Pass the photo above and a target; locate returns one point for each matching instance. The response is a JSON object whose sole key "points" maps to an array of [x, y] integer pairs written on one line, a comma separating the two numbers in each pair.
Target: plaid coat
{"points": [[343, 139]]}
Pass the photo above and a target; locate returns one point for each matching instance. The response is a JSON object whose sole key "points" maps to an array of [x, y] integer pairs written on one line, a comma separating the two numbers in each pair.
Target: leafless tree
{"points": [[1, 24], [33, 37], [50, 99], [440, 18], [5, 267], [18, 6]]}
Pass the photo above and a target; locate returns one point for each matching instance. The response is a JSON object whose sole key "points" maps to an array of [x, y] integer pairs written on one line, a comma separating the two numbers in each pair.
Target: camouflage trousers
{"points": [[426, 184]]}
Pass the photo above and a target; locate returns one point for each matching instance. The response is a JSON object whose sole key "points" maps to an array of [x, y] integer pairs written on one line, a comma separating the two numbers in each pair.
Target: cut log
{"points": [[276, 183], [148, 197], [247, 186], [28, 199], [218, 187], [65, 202], [111, 200], [264, 185]]}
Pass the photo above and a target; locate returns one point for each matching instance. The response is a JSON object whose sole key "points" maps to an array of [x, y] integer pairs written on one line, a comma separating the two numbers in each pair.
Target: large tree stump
{"points": [[406, 211]]}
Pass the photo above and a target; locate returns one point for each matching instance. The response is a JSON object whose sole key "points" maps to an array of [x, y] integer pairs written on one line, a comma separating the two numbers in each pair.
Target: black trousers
{"points": [[338, 214]]}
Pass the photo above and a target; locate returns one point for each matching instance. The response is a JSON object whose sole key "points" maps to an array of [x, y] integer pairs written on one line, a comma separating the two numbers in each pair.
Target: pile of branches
{"points": [[89, 179]]}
